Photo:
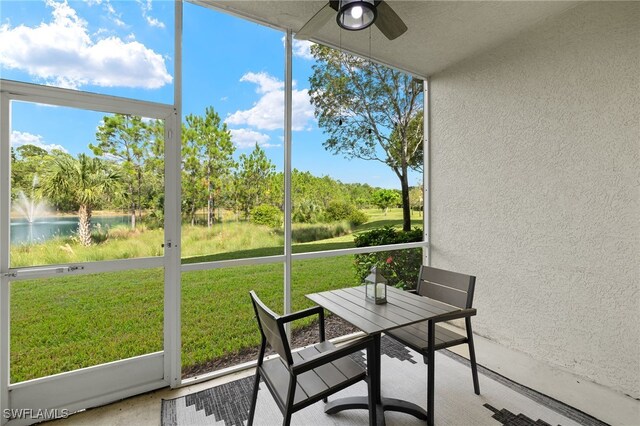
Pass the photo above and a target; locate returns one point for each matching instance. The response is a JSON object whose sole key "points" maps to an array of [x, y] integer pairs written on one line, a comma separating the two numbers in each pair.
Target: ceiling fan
{"points": [[356, 15]]}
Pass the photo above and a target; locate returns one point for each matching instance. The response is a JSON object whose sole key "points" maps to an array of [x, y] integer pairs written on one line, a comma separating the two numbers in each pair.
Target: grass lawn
{"points": [[61, 324]]}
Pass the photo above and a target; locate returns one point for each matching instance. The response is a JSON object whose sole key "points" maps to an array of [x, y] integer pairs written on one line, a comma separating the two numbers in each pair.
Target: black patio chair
{"points": [[453, 289], [299, 379]]}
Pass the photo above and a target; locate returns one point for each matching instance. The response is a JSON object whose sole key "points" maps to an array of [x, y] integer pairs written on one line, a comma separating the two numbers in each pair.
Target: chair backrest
{"points": [[449, 287], [271, 328]]}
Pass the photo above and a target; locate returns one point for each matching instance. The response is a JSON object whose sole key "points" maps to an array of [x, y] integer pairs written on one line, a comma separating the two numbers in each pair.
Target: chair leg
{"points": [[288, 410], [254, 398], [472, 357]]}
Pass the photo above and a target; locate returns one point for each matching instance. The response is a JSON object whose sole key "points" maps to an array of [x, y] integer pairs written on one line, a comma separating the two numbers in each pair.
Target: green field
{"points": [[61, 324]]}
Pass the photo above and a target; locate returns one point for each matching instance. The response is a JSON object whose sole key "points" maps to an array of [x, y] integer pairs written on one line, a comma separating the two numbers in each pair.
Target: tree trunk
{"points": [[406, 206], [132, 208], [139, 193], [210, 210], [84, 225], [209, 199]]}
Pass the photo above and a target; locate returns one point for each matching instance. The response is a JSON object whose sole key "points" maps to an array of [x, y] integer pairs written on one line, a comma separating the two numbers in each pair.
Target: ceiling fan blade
{"points": [[314, 24], [388, 21]]}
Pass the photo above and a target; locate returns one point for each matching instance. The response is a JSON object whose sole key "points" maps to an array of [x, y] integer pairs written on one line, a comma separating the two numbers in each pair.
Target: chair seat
{"points": [[415, 336], [315, 384]]}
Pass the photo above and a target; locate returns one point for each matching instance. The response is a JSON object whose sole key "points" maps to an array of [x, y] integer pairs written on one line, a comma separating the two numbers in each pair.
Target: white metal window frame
{"points": [[288, 257], [124, 378], [118, 379]]}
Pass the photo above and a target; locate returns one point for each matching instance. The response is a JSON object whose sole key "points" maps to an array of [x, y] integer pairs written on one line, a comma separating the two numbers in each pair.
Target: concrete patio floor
{"points": [[605, 404]]}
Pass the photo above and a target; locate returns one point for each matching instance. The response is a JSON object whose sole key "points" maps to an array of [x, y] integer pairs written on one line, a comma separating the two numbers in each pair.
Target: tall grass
{"points": [[228, 237], [122, 242], [304, 233], [125, 243]]}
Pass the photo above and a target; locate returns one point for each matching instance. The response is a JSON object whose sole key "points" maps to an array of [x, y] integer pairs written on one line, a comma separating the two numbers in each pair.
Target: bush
{"points": [[338, 210], [123, 232], [268, 215], [358, 217], [400, 267], [308, 233], [306, 212], [155, 219], [99, 234]]}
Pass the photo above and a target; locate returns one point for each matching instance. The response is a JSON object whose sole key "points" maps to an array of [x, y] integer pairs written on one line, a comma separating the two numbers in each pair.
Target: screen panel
{"points": [[85, 185], [62, 324], [357, 149], [233, 127], [121, 48], [218, 323]]}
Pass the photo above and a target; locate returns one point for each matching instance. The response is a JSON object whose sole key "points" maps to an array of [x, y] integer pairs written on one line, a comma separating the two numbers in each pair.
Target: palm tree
{"points": [[85, 181]]}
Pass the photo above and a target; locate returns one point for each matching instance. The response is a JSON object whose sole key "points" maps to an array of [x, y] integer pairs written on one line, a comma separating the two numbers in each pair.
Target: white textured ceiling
{"points": [[440, 33]]}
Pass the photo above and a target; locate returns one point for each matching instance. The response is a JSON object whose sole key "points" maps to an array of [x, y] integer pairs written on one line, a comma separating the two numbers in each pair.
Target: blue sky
{"points": [[125, 48]]}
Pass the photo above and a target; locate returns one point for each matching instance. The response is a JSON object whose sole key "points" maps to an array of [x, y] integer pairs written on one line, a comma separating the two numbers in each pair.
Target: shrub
{"points": [[308, 233], [99, 235], [338, 210], [306, 212], [155, 219], [400, 267], [268, 215], [358, 217], [122, 232]]}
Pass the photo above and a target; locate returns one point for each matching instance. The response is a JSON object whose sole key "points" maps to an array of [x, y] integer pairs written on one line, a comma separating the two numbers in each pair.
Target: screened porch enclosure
{"points": [[135, 273], [525, 177]]}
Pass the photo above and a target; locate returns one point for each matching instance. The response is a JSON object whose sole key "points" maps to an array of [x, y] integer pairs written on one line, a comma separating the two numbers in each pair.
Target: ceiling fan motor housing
{"points": [[356, 15]]}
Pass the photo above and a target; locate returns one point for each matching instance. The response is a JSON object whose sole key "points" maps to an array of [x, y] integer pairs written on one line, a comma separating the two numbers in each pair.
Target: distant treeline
{"points": [[131, 150]]}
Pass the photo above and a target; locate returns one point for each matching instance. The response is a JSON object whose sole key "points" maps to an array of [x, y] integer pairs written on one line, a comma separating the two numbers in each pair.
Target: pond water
{"points": [[46, 228]]}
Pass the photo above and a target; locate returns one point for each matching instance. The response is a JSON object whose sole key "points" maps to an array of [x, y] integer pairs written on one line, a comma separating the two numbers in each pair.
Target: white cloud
{"points": [[301, 48], [113, 15], [110, 157], [110, 11], [24, 138], [154, 22], [268, 112], [266, 83], [146, 7], [63, 53], [246, 138]]}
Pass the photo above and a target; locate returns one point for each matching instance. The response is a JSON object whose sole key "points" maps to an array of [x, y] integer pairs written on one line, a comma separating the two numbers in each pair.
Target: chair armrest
{"points": [[332, 355], [303, 314], [315, 310], [464, 313]]}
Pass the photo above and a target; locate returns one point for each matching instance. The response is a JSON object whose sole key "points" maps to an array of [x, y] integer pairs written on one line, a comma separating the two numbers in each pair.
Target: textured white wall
{"points": [[535, 189]]}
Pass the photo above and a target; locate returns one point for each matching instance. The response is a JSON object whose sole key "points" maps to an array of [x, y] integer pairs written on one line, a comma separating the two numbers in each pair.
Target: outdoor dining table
{"points": [[402, 308]]}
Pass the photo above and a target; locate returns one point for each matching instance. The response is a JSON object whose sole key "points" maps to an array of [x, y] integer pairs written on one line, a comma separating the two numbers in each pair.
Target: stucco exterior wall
{"points": [[535, 189]]}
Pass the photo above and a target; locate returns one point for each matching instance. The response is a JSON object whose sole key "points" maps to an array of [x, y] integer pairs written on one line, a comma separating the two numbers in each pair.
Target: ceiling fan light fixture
{"points": [[354, 15]]}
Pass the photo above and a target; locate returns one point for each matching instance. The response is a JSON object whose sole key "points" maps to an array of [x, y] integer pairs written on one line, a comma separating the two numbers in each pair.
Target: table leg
{"points": [[431, 371], [382, 404], [373, 363]]}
